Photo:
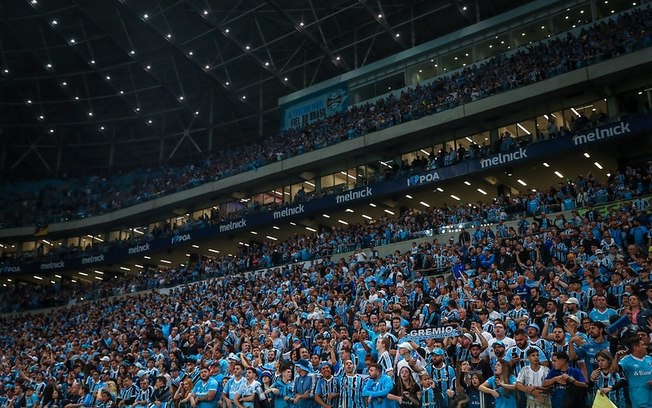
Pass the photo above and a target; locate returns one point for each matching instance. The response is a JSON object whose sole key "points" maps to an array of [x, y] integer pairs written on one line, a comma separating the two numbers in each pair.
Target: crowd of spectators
{"points": [[553, 312], [69, 199], [556, 309], [630, 184]]}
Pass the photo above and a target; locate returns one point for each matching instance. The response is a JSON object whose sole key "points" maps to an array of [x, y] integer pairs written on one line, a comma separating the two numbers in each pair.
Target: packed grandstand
{"points": [[537, 298]]}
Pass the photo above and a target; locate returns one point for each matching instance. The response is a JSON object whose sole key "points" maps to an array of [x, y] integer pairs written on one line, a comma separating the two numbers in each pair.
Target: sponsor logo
{"points": [[138, 248], [286, 212], [599, 134], [233, 225], [354, 195], [10, 269], [422, 178], [180, 238], [93, 259], [502, 158], [52, 265], [425, 333]]}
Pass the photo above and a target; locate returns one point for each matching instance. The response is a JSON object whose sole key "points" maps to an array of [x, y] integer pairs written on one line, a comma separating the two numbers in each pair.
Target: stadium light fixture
{"points": [[390, 212], [481, 191], [454, 197], [365, 216]]}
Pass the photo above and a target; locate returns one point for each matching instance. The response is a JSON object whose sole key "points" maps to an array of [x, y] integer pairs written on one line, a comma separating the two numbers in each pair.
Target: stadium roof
{"points": [[101, 85]]}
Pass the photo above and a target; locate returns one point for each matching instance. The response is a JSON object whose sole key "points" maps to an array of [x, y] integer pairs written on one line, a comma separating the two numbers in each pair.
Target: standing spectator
{"points": [[530, 381], [502, 386], [637, 367], [250, 390], [303, 385], [406, 392], [568, 383], [377, 388]]}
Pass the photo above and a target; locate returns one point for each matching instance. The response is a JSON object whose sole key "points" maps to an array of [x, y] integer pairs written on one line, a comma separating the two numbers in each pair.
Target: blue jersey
{"points": [[607, 381], [232, 387], [515, 352], [588, 350], [325, 387], [351, 391], [444, 379], [202, 389], [638, 373]]}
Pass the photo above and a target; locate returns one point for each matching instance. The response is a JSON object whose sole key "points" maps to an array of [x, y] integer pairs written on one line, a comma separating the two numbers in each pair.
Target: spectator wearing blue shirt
{"points": [[502, 386], [303, 387], [377, 388], [637, 367], [568, 383]]}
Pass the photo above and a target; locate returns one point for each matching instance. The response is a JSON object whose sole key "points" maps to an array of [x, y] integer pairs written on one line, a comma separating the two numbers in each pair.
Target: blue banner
{"points": [[315, 107], [351, 197]]}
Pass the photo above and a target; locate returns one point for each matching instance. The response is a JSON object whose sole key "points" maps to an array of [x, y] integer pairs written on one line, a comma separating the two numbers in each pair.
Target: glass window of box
{"points": [[572, 17], [456, 59], [390, 83], [429, 68], [530, 33], [586, 116], [550, 123], [605, 8], [363, 93], [491, 47]]}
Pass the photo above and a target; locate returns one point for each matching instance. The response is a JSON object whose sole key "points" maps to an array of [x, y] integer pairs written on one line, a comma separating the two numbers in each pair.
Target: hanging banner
{"points": [[315, 107]]}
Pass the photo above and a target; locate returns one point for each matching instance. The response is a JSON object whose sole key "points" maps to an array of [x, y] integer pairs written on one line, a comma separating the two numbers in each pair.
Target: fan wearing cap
{"points": [[604, 264], [191, 371], [572, 306], [303, 397], [409, 355], [442, 375]]}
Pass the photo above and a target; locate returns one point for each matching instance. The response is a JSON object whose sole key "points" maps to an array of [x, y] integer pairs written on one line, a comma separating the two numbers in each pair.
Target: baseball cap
{"points": [[573, 301], [498, 343], [405, 345], [574, 318]]}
